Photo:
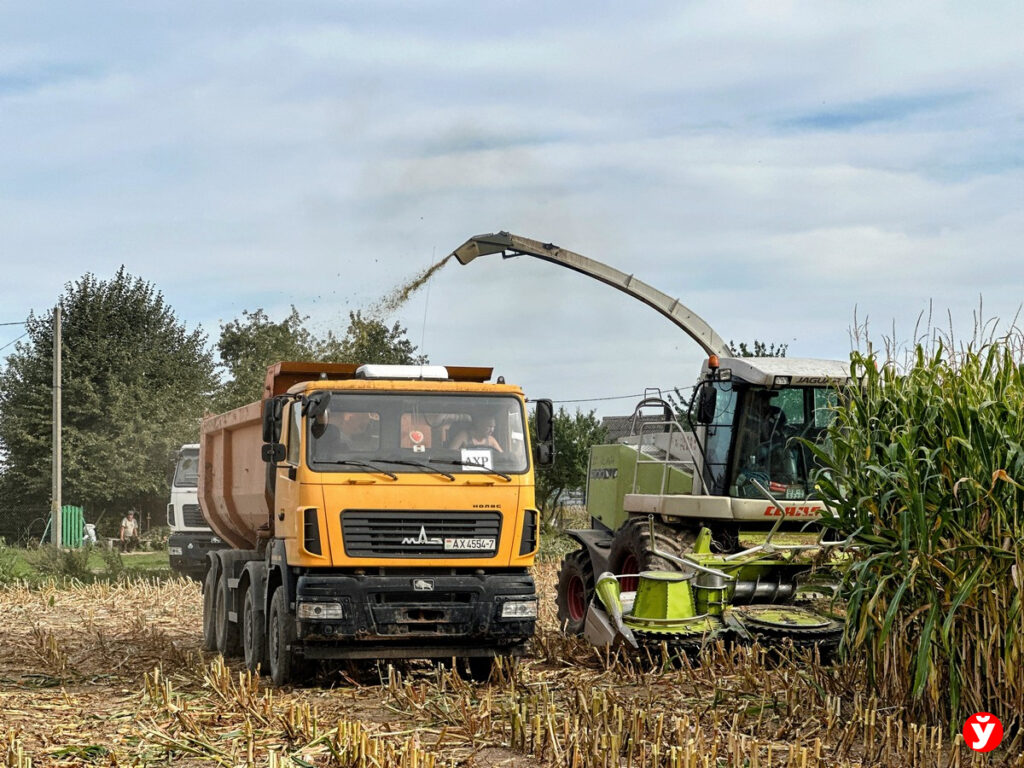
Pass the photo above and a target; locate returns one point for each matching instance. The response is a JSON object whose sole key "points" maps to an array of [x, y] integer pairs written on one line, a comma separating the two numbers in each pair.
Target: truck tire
{"points": [[575, 591], [229, 635], [631, 549], [280, 637], [209, 606], [254, 632], [477, 668]]}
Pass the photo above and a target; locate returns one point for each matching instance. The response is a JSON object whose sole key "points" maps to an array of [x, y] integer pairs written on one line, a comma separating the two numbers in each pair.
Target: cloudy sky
{"points": [[781, 167]]}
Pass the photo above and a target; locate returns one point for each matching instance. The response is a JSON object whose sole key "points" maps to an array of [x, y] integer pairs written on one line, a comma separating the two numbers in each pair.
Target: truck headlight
{"points": [[519, 609], [174, 551], [319, 611]]}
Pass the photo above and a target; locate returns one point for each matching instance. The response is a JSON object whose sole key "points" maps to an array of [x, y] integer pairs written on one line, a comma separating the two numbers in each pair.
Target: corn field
{"points": [[926, 472]]}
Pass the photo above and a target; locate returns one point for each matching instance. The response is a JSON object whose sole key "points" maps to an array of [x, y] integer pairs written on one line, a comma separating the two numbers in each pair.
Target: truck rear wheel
{"points": [[229, 637], [209, 606], [281, 636], [575, 591], [254, 632], [632, 549]]}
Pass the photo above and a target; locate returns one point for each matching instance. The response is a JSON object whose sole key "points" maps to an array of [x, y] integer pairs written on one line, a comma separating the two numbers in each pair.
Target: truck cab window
{"points": [[294, 423]]}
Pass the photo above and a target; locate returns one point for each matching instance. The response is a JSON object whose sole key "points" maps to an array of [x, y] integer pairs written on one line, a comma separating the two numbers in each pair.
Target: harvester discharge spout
{"points": [[513, 245]]}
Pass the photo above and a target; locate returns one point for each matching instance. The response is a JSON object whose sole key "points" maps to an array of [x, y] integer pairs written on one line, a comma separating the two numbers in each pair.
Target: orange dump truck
{"points": [[373, 512]]}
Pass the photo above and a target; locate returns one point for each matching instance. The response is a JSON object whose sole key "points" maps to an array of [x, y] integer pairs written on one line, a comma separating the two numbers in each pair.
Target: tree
{"points": [[249, 345], [368, 340], [135, 384], [760, 349], [574, 435]]}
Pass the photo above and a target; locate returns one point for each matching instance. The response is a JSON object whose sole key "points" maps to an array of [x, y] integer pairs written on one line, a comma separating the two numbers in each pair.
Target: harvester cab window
{"points": [[719, 437], [769, 450]]}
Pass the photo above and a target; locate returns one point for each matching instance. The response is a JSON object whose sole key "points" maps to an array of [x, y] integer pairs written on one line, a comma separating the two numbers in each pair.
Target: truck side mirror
{"points": [[273, 410], [544, 448], [273, 453], [706, 403]]}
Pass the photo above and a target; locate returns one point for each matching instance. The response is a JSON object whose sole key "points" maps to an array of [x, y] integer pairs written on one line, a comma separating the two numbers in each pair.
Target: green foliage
{"points": [[135, 384], [759, 349], [926, 472], [249, 345], [8, 563], [113, 563], [368, 340], [574, 434], [69, 563]]}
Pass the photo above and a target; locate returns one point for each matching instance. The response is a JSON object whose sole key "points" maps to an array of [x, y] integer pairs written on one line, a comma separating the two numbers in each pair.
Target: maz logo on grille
{"points": [[423, 538]]}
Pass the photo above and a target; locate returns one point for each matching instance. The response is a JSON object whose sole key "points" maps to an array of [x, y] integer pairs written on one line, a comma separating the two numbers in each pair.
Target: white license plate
{"points": [[461, 545]]}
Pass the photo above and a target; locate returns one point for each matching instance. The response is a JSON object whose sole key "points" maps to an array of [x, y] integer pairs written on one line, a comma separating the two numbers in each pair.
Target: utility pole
{"points": [[56, 524]]}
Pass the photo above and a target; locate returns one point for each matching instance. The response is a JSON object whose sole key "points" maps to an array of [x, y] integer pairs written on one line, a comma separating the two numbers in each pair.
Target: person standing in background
{"points": [[129, 531]]}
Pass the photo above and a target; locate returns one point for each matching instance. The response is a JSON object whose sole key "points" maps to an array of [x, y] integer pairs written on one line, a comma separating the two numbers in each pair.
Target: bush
{"points": [[70, 563], [8, 563], [112, 561], [926, 472]]}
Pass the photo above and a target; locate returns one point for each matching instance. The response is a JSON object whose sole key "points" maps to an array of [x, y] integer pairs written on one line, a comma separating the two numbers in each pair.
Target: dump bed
{"points": [[233, 476]]}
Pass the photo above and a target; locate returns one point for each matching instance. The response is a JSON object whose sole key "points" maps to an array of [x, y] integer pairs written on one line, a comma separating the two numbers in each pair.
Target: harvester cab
{"points": [[702, 524]]}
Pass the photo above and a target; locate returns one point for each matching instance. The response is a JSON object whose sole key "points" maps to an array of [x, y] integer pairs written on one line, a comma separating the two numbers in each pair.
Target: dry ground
{"points": [[114, 675]]}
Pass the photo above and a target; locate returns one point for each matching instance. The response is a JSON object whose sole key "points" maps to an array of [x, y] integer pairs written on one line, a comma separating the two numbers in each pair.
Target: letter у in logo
{"points": [[983, 732], [422, 538]]}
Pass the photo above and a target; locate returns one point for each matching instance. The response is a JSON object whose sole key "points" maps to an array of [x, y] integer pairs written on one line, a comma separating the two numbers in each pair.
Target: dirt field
{"points": [[114, 675]]}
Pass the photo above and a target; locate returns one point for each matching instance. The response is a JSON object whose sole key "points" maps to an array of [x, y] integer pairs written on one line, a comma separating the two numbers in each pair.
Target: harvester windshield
{"points": [[769, 426], [367, 432]]}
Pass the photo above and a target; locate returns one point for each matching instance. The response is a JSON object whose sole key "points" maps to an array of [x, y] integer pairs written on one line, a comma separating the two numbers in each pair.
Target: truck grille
{"points": [[397, 533], [192, 516]]}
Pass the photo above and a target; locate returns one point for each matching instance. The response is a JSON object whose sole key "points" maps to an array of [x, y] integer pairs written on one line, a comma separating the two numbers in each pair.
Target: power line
{"points": [[21, 323], [5, 346], [618, 397]]}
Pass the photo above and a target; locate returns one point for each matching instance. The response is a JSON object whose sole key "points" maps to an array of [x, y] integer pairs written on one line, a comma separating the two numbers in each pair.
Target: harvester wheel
{"points": [[575, 591], [632, 549], [209, 606], [229, 635]]}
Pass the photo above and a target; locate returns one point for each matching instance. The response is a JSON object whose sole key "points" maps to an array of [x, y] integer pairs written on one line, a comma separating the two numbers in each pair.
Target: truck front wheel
{"points": [[209, 606], [229, 638], [280, 637], [254, 632]]}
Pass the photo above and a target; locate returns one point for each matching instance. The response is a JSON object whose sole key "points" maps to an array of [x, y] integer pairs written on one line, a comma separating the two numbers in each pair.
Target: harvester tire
{"points": [[575, 591], [632, 549]]}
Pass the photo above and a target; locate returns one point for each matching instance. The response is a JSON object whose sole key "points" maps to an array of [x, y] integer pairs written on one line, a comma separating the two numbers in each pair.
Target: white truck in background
{"points": [[190, 538]]}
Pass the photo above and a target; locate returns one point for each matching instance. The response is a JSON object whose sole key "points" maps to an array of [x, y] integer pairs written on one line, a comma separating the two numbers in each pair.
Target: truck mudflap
{"points": [[418, 615], [187, 550]]}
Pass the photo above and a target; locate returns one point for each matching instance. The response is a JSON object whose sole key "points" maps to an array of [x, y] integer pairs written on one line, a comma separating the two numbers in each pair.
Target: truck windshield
{"points": [[418, 432], [768, 450], [186, 474]]}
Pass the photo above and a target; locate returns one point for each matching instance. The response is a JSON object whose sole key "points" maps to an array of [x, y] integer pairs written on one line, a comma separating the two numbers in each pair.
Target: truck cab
{"points": [[190, 537]]}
